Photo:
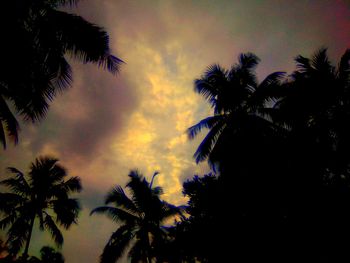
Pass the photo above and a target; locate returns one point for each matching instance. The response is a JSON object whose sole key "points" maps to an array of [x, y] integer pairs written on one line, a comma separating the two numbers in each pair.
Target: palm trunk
{"points": [[147, 256], [25, 253]]}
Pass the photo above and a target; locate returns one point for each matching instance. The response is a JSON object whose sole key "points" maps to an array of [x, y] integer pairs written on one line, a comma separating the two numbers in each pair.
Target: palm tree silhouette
{"points": [[47, 255], [141, 218], [42, 194], [316, 107], [34, 68], [239, 104]]}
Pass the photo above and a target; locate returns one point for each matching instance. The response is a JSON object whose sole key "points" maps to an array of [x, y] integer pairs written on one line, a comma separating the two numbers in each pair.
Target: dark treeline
{"points": [[281, 152], [38, 37]]}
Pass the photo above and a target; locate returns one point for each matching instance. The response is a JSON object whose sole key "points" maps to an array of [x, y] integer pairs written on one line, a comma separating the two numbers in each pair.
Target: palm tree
{"points": [[39, 36], [239, 105], [316, 107], [47, 255], [42, 194], [141, 218]]}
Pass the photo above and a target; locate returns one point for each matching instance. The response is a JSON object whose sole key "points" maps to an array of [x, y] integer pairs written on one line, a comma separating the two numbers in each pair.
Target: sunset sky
{"points": [[106, 125]]}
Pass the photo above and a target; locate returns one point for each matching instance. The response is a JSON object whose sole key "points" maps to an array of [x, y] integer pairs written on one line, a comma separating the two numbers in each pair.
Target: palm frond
{"points": [[142, 195], [269, 88], [344, 68], [72, 185], [209, 84], [208, 142], [46, 172], [32, 99], [18, 184], [207, 123], [117, 244], [9, 201], [8, 220], [83, 40], [116, 214], [303, 64], [2, 135], [63, 77], [153, 177], [8, 123], [64, 2], [137, 252], [248, 61], [157, 191], [56, 234], [56, 172], [66, 210], [169, 210], [118, 196], [64, 188], [320, 61], [18, 233]]}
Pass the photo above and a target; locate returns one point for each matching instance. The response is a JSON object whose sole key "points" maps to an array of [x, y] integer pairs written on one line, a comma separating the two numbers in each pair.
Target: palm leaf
{"points": [[18, 184], [169, 210], [209, 141], [303, 64], [209, 84], [137, 252], [117, 244], [269, 88], [72, 185], [8, 220], [17, 233], [82, 39], [63, 76], [157, 191], [63, 2], [320, 61], [142, 195], [207, 123], [50, 225], [116, 214], [9, 201], [66, 210], [8, 122], [344, 68], [248, 61], [118, 196]]}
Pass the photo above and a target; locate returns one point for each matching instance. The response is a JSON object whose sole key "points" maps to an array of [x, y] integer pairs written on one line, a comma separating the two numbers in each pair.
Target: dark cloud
{"points": [[83, 119]]}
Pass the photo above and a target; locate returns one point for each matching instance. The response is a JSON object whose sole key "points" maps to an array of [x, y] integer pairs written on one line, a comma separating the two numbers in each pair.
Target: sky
{"points": [[106, 125]]}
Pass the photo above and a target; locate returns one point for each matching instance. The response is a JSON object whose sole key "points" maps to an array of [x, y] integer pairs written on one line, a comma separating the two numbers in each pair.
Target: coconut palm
{"points": [[140, 218], [48, 255], [39, 36], [239, 104], [42, 194], [316, 107]]}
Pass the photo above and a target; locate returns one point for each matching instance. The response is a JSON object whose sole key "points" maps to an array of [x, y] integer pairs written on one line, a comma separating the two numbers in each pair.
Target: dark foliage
{"points": [[282, 192], [36, 39], [141, 220], [43, 194]]}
